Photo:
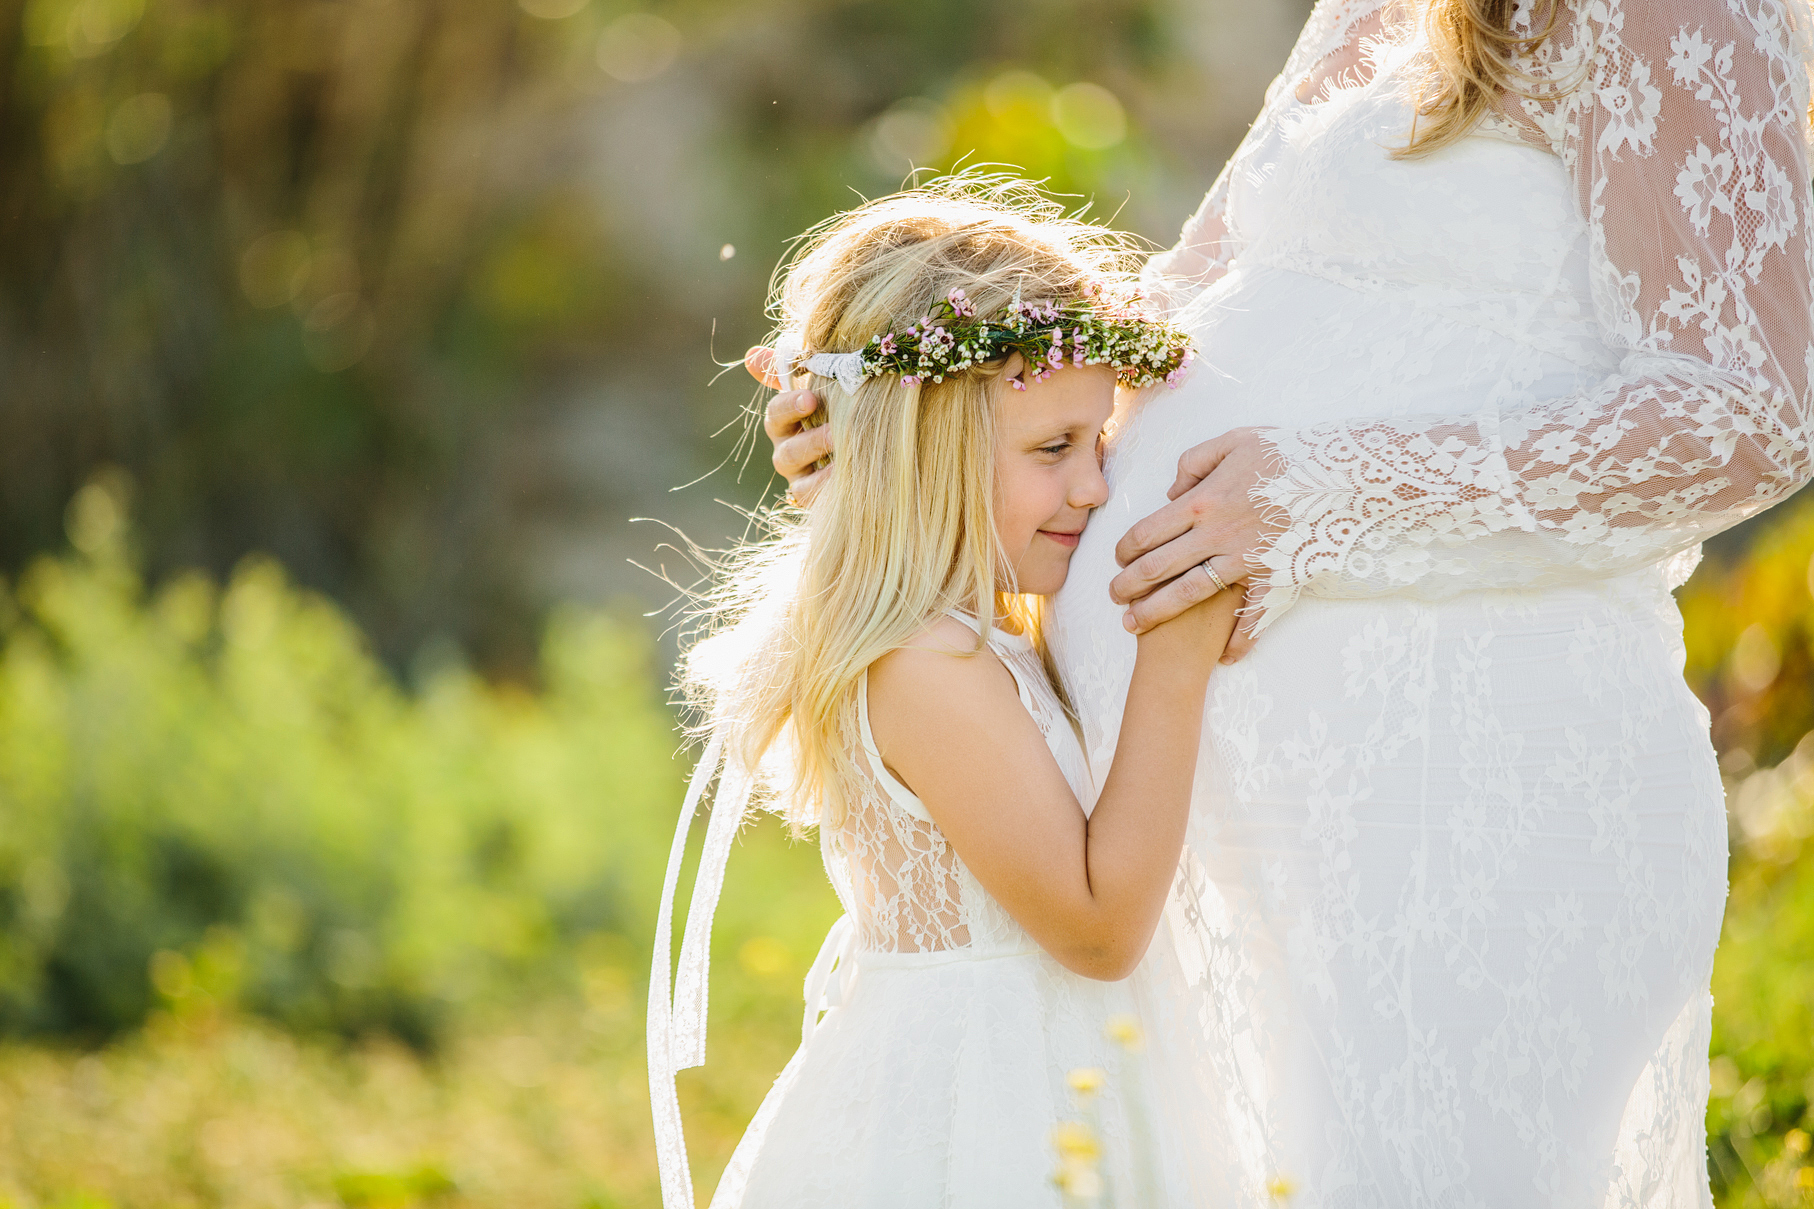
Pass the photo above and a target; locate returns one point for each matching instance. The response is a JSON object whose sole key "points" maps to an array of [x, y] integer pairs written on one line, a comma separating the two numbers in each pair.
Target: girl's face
{"points": [[1048, 469]]}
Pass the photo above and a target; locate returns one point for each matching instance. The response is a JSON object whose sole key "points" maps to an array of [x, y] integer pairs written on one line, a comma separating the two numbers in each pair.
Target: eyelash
{"points": [[1055, 450]]}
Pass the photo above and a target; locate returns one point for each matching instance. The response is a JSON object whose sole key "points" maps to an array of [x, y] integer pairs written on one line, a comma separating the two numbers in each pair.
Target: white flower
{"points": [[1701, 185], [1557, 445], [1691, 55], [1773, 196], [1630, 106]]}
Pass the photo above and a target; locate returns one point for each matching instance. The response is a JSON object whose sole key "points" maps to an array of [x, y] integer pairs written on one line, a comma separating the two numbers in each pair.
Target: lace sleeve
{"points": [[1686, 142]]}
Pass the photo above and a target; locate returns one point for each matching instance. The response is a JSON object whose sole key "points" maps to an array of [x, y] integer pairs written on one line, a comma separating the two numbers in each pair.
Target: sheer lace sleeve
{"points": [[1685, 140]]}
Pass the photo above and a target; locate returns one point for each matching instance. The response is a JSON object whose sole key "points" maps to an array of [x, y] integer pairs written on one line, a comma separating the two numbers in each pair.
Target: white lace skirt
{"points": [[937, 1085], [1459, 870]]}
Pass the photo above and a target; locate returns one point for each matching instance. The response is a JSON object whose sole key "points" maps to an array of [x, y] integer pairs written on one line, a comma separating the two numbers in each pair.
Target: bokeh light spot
{"points": [[93, 26], [337, 332], [1017, 96], [727, 251], [763, 956], [1089, 116], [912, 134], [275, 268], [1756, 659], [637, 46], [139, 128]]}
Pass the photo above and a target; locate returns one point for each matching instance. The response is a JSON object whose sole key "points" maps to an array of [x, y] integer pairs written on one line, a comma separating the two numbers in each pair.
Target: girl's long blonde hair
{"points": [[903, 530]]}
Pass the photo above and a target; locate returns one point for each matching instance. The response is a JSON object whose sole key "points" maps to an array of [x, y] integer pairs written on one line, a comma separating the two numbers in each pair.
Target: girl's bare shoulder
{"points": [[944, 668]]}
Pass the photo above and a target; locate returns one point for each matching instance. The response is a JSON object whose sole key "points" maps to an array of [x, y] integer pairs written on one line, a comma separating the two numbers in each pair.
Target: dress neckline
{"points": [[1015, 642]]}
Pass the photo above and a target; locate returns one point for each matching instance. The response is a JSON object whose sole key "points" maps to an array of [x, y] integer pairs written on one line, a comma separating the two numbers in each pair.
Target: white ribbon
{"points": [[677, 1025], [828, 983], [790, 358]]}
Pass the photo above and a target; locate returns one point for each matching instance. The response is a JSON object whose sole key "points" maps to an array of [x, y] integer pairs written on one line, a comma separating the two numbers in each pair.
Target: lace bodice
{"points": [[1647, 225], [903, 887]]}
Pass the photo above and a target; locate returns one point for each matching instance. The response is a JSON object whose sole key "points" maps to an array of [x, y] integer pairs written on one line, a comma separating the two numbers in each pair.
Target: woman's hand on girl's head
{"points": [[797, 449]]}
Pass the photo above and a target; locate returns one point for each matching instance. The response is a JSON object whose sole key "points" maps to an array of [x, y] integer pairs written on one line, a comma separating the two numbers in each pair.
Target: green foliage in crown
{"points": [[1096, 330]]}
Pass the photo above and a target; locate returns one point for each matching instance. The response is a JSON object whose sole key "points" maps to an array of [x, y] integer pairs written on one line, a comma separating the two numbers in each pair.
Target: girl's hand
{"points": [[797, 449], [1198, 637], [1211, 517]]}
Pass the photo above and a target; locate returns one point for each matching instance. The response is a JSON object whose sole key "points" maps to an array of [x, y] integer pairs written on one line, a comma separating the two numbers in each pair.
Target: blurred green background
{"points": [[339, 342]]}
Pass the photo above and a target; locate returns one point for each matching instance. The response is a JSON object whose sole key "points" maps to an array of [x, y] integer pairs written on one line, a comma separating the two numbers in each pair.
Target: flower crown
{"points": [[1097, 329]]}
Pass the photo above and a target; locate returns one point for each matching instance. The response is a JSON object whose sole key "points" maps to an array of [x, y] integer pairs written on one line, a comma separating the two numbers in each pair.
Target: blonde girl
{"points": [[879, 670]]}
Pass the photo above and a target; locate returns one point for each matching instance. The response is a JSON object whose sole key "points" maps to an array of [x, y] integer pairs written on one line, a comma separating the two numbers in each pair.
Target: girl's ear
{"points": [[1015, 371]]}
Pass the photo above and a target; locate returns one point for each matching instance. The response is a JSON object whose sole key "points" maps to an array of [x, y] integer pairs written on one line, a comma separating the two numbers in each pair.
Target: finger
{"points": [[1197, 463], [1151, 571], [1192, 588], [1243, 639], [796, 456], [1239, 643], [1154, 531], [803, 490], [760, 361], [781, 419]]}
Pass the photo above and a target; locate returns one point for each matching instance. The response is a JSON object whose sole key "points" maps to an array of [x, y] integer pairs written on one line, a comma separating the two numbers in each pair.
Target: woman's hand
{"points": [[797, 449], [1211, 517]]}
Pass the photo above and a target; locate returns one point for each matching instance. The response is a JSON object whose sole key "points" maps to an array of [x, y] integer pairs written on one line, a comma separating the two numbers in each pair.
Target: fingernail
{"points": [[805, 407], [1227, 661], [1128, 623]]}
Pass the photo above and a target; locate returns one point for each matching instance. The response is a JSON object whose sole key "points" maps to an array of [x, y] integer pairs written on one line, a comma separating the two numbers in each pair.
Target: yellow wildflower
{"points": [[1087, 1080], [1076, 1142], [1280, 1188], [1804, 1178], [1126, 1030], [1079, 1180]]}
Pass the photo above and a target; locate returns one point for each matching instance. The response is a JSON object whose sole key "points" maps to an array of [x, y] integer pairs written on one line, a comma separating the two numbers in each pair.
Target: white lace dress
{"points": [[938, 1072], [1460, 844]]}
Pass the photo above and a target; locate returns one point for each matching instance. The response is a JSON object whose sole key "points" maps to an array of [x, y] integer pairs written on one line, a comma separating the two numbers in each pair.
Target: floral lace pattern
{"points": [[1458, 844], [1684, 141]]}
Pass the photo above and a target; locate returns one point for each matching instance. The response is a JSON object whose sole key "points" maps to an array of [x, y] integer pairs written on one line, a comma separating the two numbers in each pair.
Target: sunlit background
{"points": [[340, 341]]}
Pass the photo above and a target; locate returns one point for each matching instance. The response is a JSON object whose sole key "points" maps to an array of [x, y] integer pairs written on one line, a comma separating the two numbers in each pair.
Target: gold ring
{"points": [[1213, 577]]}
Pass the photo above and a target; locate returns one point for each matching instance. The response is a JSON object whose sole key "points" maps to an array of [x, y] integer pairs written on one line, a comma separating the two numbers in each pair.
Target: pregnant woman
{"points": [[1502, 309]]}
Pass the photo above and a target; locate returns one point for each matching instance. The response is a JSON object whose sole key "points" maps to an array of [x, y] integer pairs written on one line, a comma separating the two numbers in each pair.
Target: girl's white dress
{"points": [[1461, 847], [938, 1072]]}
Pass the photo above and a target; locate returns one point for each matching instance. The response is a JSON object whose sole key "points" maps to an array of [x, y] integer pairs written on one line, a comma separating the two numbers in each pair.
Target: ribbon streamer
{"points": [[677, 1012]]}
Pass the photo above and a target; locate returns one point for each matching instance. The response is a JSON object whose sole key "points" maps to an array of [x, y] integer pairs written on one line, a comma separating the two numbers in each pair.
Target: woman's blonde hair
{"points": [[1475, 60], [903, 530]]}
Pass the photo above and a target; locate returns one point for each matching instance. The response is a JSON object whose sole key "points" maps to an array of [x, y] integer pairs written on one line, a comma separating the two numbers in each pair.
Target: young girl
{"points": [[881, 671]]}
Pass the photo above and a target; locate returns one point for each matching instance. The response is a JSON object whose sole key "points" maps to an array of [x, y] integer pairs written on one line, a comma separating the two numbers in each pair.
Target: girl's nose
{"points": [[1092, 489]]}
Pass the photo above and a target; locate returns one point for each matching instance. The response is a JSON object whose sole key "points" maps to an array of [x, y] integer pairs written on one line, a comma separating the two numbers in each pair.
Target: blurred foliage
{"points": [[206, 795], [219, 793], [1750, 629], [545, 1110], [420, 297]]}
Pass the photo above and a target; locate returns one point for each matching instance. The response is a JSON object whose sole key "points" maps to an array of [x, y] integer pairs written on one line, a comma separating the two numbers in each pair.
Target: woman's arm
{"points": [[1088, 889], [1686, 146]]}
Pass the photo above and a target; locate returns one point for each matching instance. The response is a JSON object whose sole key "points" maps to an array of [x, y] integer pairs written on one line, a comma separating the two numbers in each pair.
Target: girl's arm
{"points": [[1090, 890]]}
